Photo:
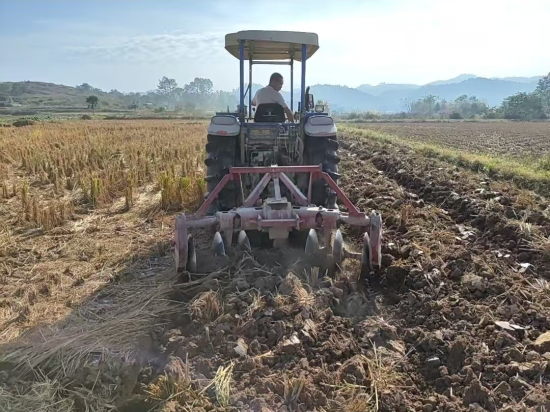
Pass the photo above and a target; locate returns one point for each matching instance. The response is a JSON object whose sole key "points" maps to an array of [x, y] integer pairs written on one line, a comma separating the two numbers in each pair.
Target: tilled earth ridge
{"points": [[465, 253], [455, 320]]}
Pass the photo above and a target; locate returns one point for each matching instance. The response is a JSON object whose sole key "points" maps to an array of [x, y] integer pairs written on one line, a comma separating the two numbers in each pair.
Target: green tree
{"points": [[166, 86], [93, 102], [85, 87], [425, 106], [467, 107], [200, 92], [199, 86], [523, 106], [325, 104], [543, 92]]}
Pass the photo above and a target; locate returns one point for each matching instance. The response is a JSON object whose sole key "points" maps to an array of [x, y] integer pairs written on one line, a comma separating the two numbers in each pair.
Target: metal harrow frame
{"points": [[279, 216]]}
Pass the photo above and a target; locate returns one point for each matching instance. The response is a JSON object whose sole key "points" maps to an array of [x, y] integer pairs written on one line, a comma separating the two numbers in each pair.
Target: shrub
{"points": [[455, 115], [23, 122]]}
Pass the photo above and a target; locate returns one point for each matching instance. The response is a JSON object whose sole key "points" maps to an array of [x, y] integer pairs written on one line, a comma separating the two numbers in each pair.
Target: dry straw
{"points": [[110, 328]]}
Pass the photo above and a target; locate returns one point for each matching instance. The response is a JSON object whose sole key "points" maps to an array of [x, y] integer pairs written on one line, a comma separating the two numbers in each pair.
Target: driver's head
{"points": [[276, 81]]}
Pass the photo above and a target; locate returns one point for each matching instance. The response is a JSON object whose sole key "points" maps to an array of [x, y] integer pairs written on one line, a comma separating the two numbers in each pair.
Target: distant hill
{"points": [[50, 94], [532, 79], [45, 93], [386, 87], [493, 92], [385, 97], [339, 97], [346, 98], [390, 97], [457, 79]]}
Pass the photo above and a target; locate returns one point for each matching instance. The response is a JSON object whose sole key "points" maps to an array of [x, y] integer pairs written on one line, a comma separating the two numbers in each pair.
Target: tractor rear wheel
{"points": [[323, 150], [220, 156]]}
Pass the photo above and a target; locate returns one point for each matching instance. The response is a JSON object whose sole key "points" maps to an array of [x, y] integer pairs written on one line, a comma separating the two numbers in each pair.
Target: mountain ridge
{"points": [[384, 97]]}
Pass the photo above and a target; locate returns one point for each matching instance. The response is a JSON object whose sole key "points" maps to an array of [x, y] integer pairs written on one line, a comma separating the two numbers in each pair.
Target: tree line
{"points": [[197, 95], [520, 106]]}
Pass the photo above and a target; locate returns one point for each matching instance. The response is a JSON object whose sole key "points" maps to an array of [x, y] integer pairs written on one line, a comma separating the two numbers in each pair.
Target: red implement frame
{"points": [[277, 215], [277, 174]]}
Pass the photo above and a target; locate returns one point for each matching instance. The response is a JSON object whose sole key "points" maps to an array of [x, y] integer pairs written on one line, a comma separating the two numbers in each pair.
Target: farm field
{"points": [[501, 138], [93, 317], [508, 151]]}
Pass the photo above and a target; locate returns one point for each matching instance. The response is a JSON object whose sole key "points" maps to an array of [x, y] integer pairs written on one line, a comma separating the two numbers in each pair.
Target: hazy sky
{"points": [[129, 45]]}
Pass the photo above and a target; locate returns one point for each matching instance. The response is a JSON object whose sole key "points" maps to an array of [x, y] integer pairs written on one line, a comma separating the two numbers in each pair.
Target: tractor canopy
{"points": [[272, 45]]}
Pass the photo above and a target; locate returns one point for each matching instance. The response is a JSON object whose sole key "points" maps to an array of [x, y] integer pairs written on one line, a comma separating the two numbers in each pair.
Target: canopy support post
{"points": [[292, 83], [303, 88]]}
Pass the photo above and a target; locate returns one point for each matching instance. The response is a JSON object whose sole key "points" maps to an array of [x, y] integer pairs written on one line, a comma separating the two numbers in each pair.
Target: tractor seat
{"points": [[269, 113]]}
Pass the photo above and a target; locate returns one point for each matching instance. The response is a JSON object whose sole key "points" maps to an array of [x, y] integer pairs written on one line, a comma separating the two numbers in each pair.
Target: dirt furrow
{"points": [[452, 272]]}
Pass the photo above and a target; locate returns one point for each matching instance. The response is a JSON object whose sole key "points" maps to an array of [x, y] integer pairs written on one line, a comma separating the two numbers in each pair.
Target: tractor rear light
{"points": [[224, 120], [321, 121]]}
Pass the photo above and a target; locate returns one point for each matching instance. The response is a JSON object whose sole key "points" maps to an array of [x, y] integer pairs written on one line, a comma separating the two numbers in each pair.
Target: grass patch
{"points": [[526, 172]]}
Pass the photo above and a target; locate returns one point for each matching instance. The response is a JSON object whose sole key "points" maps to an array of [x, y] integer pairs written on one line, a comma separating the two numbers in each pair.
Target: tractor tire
{"points": [[324, 151], [221, 154]]}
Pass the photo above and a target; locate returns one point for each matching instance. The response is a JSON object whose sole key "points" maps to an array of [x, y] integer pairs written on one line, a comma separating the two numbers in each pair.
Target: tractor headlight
{"points": [[319, 108]]}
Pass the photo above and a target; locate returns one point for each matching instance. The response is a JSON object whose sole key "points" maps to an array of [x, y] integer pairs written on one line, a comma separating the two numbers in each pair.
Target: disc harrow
{"points": [[278, 216]]}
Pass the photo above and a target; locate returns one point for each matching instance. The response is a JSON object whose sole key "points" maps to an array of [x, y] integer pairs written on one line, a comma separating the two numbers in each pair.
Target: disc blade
{"points": [[180, 238], [375, 235], [243, 241], [365, 256], [217, 245], [338, 249], [312, 243], [191, 255]]}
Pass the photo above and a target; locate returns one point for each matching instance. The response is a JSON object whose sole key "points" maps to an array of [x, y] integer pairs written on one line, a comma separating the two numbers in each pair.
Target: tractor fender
{"points": [[320, 126], [224, 126]]}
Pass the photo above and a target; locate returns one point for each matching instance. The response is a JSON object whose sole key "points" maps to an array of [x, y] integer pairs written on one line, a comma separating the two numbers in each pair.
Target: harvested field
{"points": [[93, 317], [507, 151], [502, 138]]}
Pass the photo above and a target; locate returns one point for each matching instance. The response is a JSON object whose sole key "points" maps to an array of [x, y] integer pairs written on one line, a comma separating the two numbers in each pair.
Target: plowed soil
{"points": [[457, 319], [453, 321], [516, 139]]}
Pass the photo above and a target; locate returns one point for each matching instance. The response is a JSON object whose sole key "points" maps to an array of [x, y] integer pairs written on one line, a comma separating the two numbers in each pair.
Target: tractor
{"points": [[275, 178]]}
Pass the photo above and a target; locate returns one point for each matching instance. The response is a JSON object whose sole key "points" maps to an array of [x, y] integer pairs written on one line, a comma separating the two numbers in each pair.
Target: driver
{"points": [[270, 94]]}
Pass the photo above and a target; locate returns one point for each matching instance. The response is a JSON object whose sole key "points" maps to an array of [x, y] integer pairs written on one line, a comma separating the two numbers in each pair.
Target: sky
{"points": [[129, 45]]}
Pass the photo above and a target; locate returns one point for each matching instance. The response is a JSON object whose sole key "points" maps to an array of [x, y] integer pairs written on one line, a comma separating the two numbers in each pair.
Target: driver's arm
{"points": [[280, 99], [289, 115]]}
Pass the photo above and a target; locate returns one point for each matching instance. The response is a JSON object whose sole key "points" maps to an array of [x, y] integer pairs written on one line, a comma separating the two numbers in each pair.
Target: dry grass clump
{"points": [[382, 373], [110, 328], [222, 384], [258, 303], [359, 403], [176, 386], [381, 377], [540, 292], [206, 306], [7, 241], [40, 396], [292, 388], [46, 395]]}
